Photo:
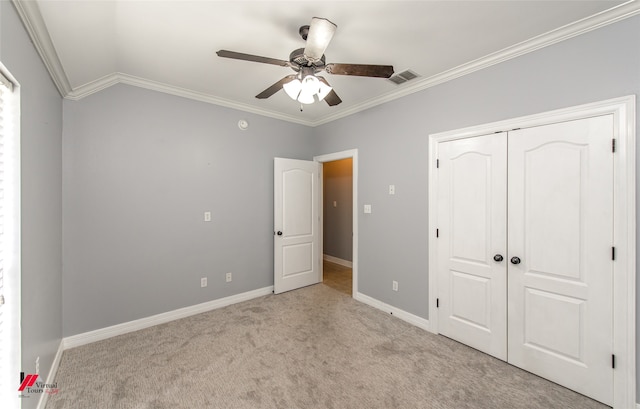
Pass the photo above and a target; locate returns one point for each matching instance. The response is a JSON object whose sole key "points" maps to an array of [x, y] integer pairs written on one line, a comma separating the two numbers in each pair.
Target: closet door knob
{"points": [[498, 257], [515, 260], [279, 233]]}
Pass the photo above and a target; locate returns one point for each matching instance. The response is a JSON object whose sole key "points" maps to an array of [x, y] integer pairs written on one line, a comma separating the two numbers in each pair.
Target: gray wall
{"points": [[393, 143], [338, 221], [140, 169], [41, 198]]}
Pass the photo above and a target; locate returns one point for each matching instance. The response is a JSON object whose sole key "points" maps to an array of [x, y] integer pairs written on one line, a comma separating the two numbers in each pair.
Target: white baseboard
{"points": [[44, 397], [119, 329], [336, 260], [396, 312]]}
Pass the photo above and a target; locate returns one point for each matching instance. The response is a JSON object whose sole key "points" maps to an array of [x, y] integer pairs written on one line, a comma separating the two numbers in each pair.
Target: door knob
{"points": [[498, 257], [279, 233], [515, 260]]}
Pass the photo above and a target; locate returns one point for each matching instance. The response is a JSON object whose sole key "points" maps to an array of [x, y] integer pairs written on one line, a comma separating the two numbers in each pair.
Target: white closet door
{"points": [[472, 231], [560, 228]]}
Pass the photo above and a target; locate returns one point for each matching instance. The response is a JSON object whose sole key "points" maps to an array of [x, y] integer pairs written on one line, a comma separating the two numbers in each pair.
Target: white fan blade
{"points": [[320, 34]]}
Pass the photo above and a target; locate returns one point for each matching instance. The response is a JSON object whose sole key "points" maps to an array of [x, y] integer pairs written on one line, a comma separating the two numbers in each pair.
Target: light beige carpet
{"points": [[310, 348]]}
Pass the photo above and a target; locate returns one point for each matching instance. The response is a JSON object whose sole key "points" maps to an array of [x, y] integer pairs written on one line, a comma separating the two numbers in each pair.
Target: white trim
{"points": [[121, 78], [124, 328], [44, 397], [12, 285], [624, 288], [613, 15], [336, 260], [330, 157], [396, 312], [34, 23], [95, 86]]}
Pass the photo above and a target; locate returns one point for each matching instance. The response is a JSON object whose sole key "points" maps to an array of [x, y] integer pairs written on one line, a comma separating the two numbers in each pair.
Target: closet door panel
{"points": [[560, 195], [472, 230]]}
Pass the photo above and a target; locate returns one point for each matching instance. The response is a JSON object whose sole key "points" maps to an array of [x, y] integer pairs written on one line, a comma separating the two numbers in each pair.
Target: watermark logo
{"points": [[28, 381], [29, 384]]}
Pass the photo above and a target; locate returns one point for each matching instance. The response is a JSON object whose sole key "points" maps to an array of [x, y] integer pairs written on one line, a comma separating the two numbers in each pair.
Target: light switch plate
{"points": [[367, 208]]}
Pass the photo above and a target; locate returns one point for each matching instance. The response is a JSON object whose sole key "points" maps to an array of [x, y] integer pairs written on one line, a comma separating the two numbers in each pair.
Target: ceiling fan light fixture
{"points": [[293, 88], [310, 84], [323, 91], [305, 91], [306, 96]]}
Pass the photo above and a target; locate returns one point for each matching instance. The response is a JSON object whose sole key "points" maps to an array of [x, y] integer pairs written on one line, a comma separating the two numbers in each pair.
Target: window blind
{"points": [[7, 336], [6, 82], [3, 332]]}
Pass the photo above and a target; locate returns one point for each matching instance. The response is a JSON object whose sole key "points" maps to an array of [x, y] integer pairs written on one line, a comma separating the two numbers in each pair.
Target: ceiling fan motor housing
{"points": [[298, 59]]}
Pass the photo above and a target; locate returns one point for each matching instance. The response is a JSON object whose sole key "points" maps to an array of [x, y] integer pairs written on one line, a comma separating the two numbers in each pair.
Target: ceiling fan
{"points": [[305, 86]]}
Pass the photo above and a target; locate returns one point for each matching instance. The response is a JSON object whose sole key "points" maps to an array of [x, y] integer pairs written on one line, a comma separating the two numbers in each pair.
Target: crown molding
{"points": [[208, 98], [121, 78], [94, 86], [34, 23], [613, 15]]}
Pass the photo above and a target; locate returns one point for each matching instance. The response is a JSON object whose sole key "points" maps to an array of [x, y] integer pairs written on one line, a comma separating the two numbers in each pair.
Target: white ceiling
{"points": [[170, 45]]}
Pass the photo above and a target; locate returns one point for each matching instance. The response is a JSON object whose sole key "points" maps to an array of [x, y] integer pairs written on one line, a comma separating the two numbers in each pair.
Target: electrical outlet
{"points": [[367, 208], [392, 189], [229, 277], [395, 286], [203, 282], [207, 216]]}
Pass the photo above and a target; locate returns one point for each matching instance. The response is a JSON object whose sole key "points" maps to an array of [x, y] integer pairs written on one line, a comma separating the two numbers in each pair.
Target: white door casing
{"points": [[330, 157], [296, 224], [622, 318], [560, 223], [472, 231]]}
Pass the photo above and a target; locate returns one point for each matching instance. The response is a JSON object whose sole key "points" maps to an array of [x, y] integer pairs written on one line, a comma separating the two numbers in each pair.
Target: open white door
{"points": [[296, 224]]}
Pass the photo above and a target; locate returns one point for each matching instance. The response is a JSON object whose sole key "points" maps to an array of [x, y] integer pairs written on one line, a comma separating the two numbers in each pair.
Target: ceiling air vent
{"points": [[403, 77]]}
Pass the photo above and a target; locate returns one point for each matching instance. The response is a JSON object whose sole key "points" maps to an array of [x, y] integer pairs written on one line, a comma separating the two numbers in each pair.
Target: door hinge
{"points": [[613, 361], [437, 163], [437, 302], [613, 145], [437, 233], [613, 253]]}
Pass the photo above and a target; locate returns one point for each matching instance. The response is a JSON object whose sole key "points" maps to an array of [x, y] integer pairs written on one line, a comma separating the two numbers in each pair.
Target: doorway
{"points": [[337, 205], [338, 224]]}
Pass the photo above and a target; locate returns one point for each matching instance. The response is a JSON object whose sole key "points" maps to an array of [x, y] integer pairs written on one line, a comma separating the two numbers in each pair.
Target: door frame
{"points": [[623, 110], [330, 157]]}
